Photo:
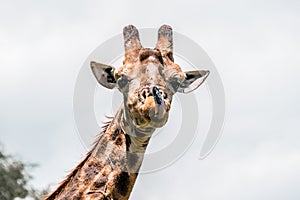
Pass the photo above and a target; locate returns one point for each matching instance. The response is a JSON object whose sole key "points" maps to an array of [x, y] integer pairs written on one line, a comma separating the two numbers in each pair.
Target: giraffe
{"points": [[148, 79]]}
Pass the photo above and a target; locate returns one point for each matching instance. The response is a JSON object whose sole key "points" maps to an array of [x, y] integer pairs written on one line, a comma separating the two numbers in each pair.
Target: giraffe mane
{"points": [[71, 175]]}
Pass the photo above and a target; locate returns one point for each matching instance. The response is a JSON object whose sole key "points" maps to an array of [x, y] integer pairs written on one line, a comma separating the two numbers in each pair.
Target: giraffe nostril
{"points": [[165, 95], [144, 94]]}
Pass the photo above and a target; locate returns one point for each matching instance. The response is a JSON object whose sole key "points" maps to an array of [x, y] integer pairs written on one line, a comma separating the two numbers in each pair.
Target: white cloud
{"points": [[254, 45]]}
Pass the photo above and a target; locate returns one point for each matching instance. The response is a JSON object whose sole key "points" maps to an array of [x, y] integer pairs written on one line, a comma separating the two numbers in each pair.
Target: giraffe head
{"points": [[148, 78]]}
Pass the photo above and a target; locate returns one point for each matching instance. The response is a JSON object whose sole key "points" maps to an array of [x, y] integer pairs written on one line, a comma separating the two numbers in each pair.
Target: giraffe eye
{"points": [[175, 85], [122, 82]]}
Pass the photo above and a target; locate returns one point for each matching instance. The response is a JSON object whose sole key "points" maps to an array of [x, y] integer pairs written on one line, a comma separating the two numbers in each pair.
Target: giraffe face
{"points": [[148, 78], [148, 86]]}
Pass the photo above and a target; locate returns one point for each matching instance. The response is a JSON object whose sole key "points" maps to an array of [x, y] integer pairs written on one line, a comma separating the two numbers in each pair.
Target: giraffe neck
{"points": [[110, 168], [136, 140], [139, 137]]}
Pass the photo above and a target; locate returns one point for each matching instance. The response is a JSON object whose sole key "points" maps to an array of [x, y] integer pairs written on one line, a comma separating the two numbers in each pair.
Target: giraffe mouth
{"points": [[150, 109], [158, 115], [151, 114]]}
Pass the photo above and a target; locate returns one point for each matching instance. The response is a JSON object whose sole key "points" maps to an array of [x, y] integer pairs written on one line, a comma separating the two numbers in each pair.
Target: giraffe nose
{"points": [[160, 107], [157, 95]]}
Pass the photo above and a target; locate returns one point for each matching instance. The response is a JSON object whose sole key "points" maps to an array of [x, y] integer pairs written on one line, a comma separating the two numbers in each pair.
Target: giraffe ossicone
{"points": [[148, 79]]}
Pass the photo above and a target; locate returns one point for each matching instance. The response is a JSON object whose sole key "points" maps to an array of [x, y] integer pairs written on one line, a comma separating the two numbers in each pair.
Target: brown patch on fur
{"points": [[106, 171], [119, 141], [123, 183], [128, 142], [99, 183], [149, 103], [115, 134]]}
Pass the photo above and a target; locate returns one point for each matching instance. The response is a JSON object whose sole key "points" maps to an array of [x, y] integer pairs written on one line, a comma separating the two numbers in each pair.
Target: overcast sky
{"points": [[255, 46]]}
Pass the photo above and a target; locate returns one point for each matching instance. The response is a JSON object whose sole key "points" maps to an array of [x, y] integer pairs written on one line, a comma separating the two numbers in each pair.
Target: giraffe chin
{"points": [[158, 122], [148, 120], [158, 116]]}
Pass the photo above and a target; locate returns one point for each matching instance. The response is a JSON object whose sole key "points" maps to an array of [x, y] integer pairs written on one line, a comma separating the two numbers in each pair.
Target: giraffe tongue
{"points": [[160, 110]]}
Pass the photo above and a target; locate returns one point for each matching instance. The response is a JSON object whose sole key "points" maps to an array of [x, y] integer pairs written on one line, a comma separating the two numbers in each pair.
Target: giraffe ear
{"points": [[193, 79], [104, 74]]}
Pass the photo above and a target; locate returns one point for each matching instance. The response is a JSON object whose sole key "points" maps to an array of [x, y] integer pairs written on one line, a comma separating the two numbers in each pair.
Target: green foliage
{"points": [[14, 179]]}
